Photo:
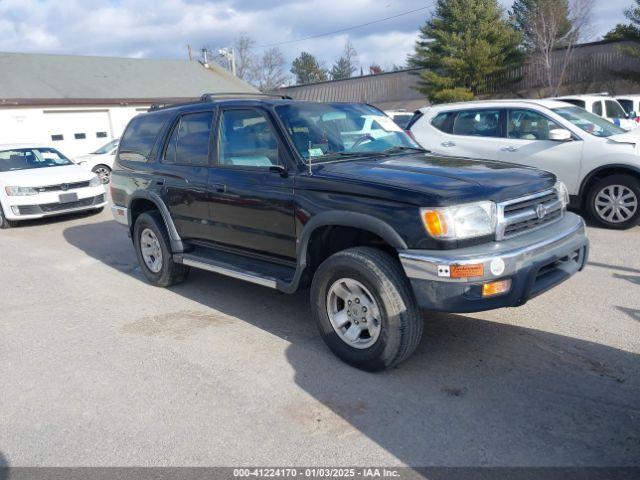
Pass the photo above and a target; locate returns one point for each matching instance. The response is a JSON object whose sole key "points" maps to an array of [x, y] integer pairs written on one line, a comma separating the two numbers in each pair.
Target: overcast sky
{"points": [[164, 28]]}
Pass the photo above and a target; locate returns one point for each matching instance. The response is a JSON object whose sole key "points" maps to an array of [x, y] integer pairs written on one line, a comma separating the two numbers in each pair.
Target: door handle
{"points": [[448, 144], [509, 148], [220, 187]]}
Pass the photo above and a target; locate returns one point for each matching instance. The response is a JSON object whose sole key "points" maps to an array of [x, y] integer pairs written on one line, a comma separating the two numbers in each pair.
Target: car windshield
{"points": [[103, 150], [589, 122], [27, 158], [323, 132]]}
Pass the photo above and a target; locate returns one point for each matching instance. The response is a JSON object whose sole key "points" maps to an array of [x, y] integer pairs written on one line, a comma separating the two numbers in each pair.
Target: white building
{"points": [[78, 103]]}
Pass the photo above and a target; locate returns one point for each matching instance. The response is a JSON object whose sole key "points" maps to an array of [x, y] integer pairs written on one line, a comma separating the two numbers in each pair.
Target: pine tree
{"points": [[523, 16], [307, 69], [345, 66], [463, 43]]}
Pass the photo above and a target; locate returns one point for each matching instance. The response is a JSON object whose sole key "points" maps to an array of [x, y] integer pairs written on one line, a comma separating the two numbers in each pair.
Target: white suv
{"points": [[598, 161], [604, 106]]}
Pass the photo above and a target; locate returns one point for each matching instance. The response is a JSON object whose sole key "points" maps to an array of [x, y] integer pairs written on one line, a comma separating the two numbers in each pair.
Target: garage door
{"points": [[77, 132]]}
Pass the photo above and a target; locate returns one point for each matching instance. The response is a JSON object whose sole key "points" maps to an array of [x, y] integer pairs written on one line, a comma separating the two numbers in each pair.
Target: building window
{"points": [[101, 134], [57, 138], [80, 136]]}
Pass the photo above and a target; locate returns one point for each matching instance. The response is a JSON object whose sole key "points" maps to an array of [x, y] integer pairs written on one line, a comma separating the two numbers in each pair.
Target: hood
{"points": [[632, 136], [445, 180], [42, 177]]}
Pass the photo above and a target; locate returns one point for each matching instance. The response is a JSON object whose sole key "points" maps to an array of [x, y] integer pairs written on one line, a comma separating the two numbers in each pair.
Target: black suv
{"points": [[336, 197]]}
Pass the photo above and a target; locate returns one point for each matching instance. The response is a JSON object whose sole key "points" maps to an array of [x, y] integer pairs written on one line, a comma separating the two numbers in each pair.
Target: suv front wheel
{"points": [[364, 308], [614, 202], [153, 250]]}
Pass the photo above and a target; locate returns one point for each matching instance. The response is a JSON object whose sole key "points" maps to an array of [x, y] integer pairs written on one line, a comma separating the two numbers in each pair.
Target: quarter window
{"points": [[444, 121], [189, 143], [139, 138], [247, 140], [477, 123], [529, 125]]}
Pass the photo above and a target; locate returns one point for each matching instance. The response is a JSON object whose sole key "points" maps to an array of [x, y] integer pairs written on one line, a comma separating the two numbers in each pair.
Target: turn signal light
{"points": [[496, 288], [435, 224]]}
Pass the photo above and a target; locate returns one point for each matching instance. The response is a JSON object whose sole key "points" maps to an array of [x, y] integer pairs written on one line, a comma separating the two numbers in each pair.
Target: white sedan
{"points": [[38, 181], [597, 160], [100, 162]]}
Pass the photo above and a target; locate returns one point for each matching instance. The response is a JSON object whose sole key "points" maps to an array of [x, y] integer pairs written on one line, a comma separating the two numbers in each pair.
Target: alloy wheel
{"points": [[616, 203]]}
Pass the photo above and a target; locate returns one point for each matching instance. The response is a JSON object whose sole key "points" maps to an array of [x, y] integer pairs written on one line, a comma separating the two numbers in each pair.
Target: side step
{"points": [[243, 268]]}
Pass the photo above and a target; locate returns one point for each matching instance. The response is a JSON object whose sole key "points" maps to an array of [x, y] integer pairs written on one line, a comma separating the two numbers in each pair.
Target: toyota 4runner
{"points": [[282, 193]]}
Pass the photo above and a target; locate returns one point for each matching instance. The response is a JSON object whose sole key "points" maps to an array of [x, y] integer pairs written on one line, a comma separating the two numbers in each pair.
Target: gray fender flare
{"points": [[176, 242]]}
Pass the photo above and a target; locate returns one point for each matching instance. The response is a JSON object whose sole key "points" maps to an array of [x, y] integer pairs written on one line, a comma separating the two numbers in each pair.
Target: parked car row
{"points": [[597, 160]]}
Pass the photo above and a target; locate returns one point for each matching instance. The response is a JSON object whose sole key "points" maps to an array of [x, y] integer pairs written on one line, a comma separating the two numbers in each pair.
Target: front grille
{"points": [[528, 213], [57, 207], [63, 187]]}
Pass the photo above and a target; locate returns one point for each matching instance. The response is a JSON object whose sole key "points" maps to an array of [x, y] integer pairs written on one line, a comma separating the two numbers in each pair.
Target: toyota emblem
{"points": [[541, 211]]}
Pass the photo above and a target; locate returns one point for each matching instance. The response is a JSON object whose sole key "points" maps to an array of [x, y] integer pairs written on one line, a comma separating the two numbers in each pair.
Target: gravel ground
{"points": [[100, 368]]}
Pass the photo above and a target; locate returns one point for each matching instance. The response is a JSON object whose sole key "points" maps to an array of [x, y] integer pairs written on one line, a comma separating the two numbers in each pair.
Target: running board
{"points": [[254, 271]]}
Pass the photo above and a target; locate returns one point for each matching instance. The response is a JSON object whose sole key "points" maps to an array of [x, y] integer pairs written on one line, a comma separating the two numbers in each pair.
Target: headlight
{"points": [[563, 193], [460, 221], [20, 191], [95, 181]]}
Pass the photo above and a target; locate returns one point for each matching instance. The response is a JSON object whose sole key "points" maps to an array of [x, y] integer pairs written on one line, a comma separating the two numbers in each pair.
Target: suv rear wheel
{"points": [[614, 202], [364, 308], [153, 250]]}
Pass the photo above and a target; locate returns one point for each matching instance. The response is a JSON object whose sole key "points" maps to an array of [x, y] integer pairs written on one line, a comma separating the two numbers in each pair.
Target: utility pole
{"points": [[189, 52], [230, 57]]}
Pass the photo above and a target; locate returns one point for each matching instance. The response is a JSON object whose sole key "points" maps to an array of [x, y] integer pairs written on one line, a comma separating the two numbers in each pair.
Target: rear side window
{"points": [[139, 138], [597, 108], [190, 141], [444, 121], [477, 123]]}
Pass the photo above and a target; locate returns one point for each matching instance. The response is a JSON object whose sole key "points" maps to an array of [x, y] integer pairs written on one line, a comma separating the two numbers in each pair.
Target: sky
{"points": [[164, 28]]}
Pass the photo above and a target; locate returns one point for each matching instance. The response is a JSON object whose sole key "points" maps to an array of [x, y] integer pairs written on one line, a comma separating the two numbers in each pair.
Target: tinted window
{"points": [[614, 110], [444, 121], [139, 138], [529, 125], [247, 140], [403, 120], [627, 105], [577, 103], [597, 108], [478, 123], [189, 141]]}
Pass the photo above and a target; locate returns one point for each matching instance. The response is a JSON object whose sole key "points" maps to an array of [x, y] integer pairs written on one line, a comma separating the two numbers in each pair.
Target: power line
{"points": [[346, 29]]}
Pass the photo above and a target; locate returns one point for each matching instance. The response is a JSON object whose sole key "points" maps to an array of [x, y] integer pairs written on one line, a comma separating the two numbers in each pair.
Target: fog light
{"points": [[496, 288], [15, 210]]}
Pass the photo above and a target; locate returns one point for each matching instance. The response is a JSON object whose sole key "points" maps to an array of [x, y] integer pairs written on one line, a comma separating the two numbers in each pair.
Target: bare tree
{"points": [[269, 72], [546, 22], [245, 57]]}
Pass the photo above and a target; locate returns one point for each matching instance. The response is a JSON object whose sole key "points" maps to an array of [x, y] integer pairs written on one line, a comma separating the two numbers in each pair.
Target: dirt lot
{"points": [[99, 368]]}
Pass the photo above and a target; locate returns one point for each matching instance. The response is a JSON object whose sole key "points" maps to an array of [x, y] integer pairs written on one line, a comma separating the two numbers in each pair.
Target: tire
{"points": [[4, 223], [610, 190], [150, 225], [103, 172], [400, 322]]}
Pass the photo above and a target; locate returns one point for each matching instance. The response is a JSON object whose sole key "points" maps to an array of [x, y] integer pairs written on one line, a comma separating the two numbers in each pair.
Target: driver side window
{"points": [[246, 139]]}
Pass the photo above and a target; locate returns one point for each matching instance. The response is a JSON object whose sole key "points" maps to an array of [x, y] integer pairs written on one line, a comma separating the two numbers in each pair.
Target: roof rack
{"points": [[207, 97]]}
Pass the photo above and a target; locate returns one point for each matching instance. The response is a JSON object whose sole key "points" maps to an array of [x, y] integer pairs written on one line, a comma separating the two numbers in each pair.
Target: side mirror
{"points": [[279, 169], [559, 135]]}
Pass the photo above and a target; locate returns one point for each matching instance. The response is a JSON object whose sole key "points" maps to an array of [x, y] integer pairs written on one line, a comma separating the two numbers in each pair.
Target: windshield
{"points": [[589, 122], [322, 132], [103, 150], [27, 158]]}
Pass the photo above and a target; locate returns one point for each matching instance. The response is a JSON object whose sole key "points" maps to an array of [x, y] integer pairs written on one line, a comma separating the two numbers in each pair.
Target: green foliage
{"points": [[346, 65], [622, 31], [307, 69], [633, 30], [463, 43], [523, 18]]}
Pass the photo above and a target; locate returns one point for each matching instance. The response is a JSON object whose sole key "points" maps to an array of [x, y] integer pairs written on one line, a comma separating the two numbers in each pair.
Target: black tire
{"points": [[401, 320], [595, 191], [4, 223], [103, 172], [170, 273]]}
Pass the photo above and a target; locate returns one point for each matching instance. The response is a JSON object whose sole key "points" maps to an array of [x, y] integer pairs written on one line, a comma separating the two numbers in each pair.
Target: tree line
{"points": [[463, 43]]}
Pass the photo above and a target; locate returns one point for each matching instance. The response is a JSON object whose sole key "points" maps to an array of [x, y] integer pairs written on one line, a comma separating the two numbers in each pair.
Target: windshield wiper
{"points": [[402, 149]]}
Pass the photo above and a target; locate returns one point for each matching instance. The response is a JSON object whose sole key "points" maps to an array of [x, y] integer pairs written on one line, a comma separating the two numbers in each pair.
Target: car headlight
{"points": [[20, 191], [95, 181], [460, 221], [563, 193]]}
